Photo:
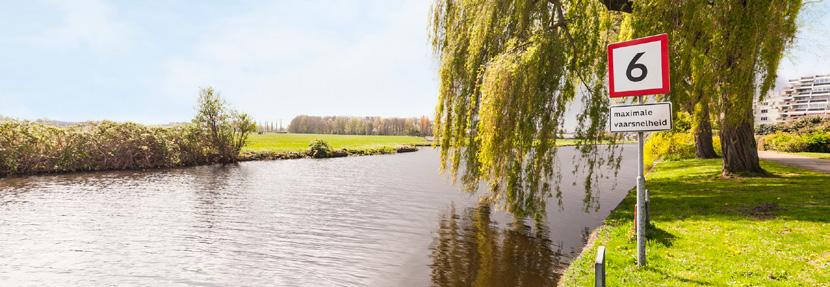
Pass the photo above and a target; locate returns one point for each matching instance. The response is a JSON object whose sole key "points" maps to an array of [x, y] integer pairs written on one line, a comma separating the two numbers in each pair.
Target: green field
{"points": [[273, 142], [710, 231]]}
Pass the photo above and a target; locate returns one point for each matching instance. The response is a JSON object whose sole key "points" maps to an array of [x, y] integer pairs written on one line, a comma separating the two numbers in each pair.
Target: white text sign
{"points": [[641, 118]]}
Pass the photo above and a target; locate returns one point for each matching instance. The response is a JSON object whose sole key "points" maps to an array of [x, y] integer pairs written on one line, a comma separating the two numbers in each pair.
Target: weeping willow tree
{"points": [[690, 28], [508, 69], [724, 54], [751, 37]]}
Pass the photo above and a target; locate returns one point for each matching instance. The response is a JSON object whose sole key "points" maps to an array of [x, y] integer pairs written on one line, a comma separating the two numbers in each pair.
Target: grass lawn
{"points": [[709, 231], [299, 142], [821, 155]]}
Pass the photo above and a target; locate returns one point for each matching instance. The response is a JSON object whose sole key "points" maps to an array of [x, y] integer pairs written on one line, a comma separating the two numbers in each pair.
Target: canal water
{"points": [[389, 220]]}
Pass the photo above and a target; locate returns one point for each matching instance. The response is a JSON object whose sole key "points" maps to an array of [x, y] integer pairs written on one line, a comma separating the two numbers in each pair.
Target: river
{"points": [[390, 220]]}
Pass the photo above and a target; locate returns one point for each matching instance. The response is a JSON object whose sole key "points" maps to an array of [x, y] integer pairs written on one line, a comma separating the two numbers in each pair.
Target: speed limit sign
{"points": [[639, 67]]}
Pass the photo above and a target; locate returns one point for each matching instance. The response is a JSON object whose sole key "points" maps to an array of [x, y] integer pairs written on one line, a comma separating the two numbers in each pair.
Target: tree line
{"points": [[270, 127], [345, 125]]}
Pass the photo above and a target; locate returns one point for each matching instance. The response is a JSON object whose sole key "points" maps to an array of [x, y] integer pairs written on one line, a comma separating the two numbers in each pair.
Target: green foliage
{"points": [[272, 142], [507, 71], [723, 54], [226, 129], [690, 39], [672, 146], [784, 142], [808, 134], [749, 40], [801, 126], [682, 122], [216, 135], [765, 129], [27, 147], [711, 231], [319, 149], [816, 141], [344, 125]]}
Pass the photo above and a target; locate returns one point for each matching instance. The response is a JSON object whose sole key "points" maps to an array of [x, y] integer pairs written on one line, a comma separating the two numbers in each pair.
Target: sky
{"points": [[811, 53], [145, 61]]}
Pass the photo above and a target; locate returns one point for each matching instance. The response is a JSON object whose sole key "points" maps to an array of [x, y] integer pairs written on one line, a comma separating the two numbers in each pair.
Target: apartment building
{"points": [[806, 96]]}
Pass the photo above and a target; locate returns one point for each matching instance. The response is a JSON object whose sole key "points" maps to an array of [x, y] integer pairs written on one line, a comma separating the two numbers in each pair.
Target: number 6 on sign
{"points": [[639, 67]]}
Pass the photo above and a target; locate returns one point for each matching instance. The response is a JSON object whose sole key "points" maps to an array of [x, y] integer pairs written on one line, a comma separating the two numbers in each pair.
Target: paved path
{"points": [[820, 165]]}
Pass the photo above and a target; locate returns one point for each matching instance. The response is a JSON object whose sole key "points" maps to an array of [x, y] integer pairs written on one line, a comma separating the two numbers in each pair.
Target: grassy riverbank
{"points": [[272, 142], [286, 146], [770, 231]]}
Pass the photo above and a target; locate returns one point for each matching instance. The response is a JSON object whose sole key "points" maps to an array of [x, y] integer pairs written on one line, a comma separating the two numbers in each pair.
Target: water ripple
{"points": [[379, 220]]}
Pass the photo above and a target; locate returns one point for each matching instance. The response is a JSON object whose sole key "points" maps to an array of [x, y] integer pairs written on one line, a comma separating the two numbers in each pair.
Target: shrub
{"points": [[216, 135], [319, 149], [785, 142], [672, 146], [817, 141], [226, 129], [28, 147], [765, 129], [803, 125], [682, 122]]}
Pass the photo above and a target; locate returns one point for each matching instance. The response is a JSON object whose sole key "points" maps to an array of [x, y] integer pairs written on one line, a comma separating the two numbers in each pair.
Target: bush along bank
{"points": [[672, 146], [675, 144], [321, 149], [215, 135], [31, 148], [809, 134], [816, 141]]}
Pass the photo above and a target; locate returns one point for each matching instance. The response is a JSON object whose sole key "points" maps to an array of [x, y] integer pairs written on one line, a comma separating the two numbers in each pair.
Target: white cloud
{"points": [[90, 24], [274, 68]]}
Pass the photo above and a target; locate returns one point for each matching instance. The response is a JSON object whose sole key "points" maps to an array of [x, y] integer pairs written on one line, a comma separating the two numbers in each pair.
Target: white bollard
{"points": [[599, 267]]}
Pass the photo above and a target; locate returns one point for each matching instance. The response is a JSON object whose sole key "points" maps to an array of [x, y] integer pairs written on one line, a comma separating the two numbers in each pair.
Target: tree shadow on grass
{"points": [[695, 189], [677, 278], [659, 235]]}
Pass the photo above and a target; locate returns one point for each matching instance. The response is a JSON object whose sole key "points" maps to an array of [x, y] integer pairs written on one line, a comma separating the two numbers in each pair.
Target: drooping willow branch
{"points": [[508, 70]]}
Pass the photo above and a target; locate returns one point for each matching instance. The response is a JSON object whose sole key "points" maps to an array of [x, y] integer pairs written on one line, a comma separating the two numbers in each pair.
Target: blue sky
{"points": [[145, 60]]}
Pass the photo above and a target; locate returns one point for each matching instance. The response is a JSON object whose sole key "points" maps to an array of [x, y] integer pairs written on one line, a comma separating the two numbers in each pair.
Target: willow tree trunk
{"points": [[740, 152], [703, 132]]}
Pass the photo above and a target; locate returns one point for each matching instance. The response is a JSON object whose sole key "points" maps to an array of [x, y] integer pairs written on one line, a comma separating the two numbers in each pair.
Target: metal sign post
{"points": [[641, 118], [640, 67], [641, 187]]}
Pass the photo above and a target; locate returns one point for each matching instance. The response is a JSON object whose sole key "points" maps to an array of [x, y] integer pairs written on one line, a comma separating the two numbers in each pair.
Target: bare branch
{"points": [[618, 5]]}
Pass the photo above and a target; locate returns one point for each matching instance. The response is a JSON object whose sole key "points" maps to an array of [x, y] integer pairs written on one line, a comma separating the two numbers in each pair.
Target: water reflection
{"points": [[213, 185], [472, 250], [360, 221]]}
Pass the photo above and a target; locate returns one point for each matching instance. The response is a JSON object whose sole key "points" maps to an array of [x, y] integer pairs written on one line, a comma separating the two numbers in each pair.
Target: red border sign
{"points": [[664, 49]]}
